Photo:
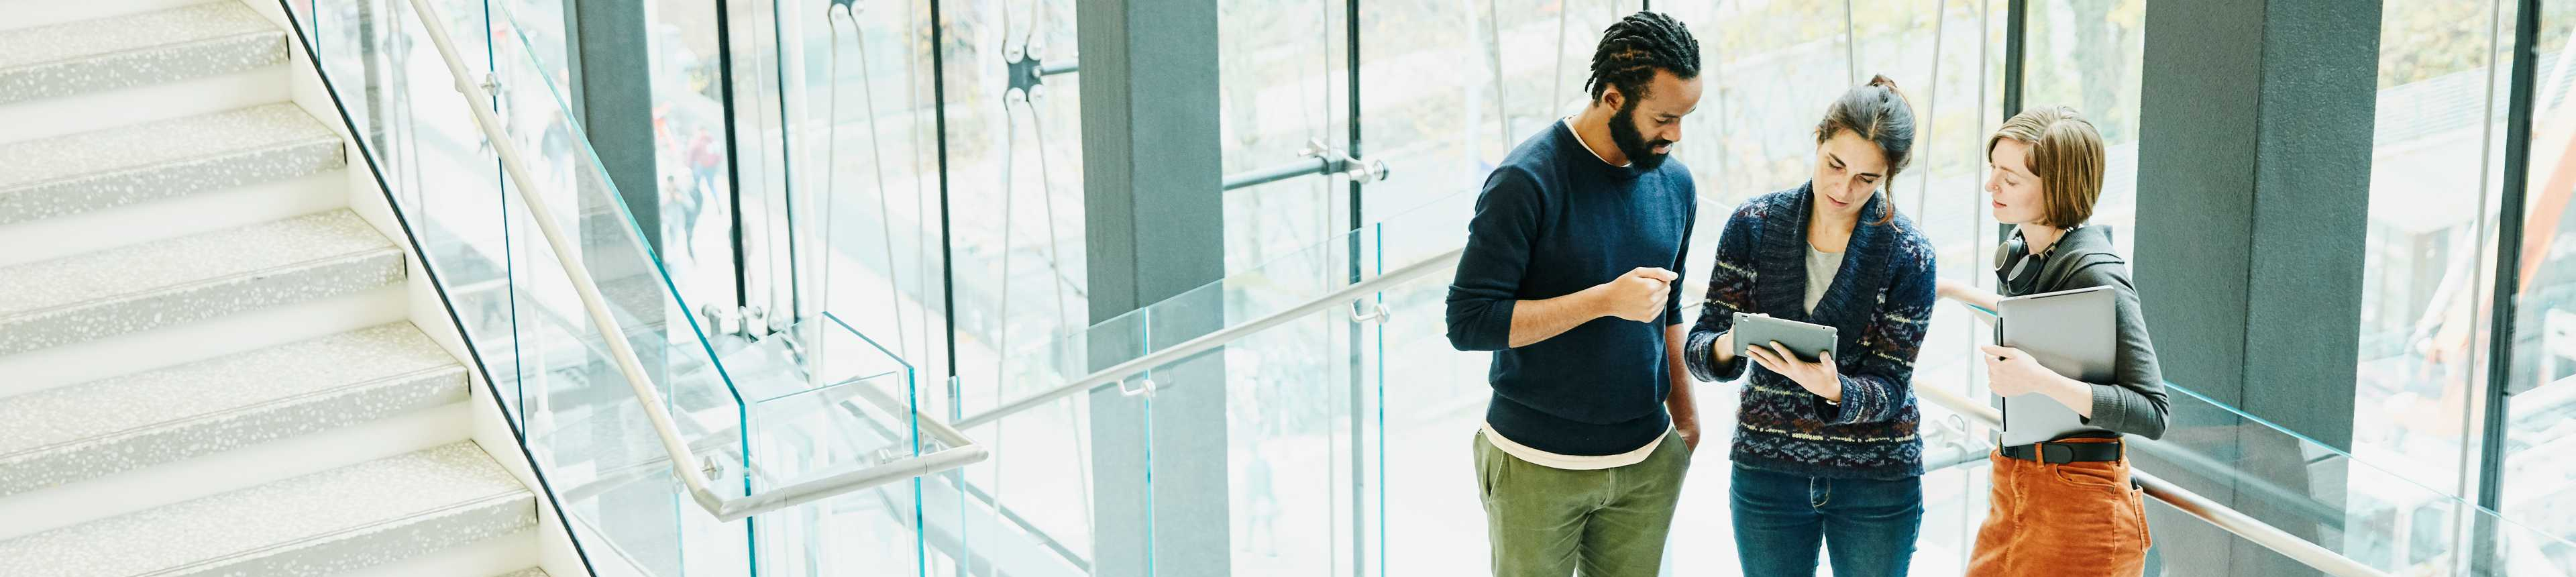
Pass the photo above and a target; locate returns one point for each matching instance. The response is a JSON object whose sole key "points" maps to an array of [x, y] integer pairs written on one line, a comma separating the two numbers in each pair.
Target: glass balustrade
{"points": [[812, 401], [2373, 513]]}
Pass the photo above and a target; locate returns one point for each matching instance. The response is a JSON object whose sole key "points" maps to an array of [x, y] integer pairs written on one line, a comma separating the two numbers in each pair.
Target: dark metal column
{"points": [[2016, 52], [1362, 531], [733, 142], [2496, 415], [1155, 225], [612, 92], [2253, 178], [612, 99]]}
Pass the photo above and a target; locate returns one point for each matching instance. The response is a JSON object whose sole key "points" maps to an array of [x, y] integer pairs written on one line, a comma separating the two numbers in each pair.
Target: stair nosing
{"points": [[137, 60], [465, 506], [253, 274], [173, 23], [30, 187], [479, 499], [180, 45], [258, 407], [165, 442], [241, 292]]}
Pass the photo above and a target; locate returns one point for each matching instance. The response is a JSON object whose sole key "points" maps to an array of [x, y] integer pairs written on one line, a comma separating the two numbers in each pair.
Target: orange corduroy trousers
{"points": [[2062, 520]]}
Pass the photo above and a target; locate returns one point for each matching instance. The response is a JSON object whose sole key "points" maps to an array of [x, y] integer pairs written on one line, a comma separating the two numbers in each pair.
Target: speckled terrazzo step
{"points": [[149, 48], [169, 282], [337, 520], [99, 428], [156, 160]]}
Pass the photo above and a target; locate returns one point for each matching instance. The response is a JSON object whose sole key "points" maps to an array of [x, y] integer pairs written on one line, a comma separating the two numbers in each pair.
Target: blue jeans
{"points": [[1867, 525]]}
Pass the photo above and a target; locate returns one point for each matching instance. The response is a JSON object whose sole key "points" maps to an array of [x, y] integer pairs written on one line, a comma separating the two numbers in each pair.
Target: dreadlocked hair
{"points": [[1637, 46], [1878, 113]]}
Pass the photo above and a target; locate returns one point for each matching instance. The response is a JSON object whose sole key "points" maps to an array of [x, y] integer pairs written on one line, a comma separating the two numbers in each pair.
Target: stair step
{"points": [[181, 280], [156, 160], [33, 13], [153, 47], [336, 520], [94, 429]]}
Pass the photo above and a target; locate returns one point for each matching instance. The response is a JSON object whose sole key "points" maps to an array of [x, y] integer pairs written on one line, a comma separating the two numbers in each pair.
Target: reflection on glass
{"points": [[689, 149]]}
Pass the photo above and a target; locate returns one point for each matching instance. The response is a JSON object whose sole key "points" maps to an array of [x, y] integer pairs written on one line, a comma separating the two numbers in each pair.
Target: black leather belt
{"points": [[2063, 453]]}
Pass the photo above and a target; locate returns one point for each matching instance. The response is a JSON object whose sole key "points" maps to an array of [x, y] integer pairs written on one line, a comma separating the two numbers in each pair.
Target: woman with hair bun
{"points": [[1825, 453]]}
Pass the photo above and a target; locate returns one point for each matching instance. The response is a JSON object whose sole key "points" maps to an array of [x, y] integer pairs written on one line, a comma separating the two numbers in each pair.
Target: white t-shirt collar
{"points": [[1578, 139]]}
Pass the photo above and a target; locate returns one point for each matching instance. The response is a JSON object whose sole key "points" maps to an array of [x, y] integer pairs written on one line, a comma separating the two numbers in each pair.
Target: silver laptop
{"points": [[2073, 332]]}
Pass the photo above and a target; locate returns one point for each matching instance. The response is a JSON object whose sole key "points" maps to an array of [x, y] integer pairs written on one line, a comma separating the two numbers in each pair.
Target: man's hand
{"points": [[1822, 377], [1689, 429], [1637, 296]]}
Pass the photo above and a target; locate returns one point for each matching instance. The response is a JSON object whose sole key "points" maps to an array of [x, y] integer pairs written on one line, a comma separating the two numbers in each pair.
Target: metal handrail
{"points": [[2261, 533], [1115, 374], [2288, 545], [961, 452]]}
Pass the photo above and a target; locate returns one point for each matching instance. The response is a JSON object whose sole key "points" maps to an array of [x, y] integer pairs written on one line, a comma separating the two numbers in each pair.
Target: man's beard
{"points": [[1623, 132]]}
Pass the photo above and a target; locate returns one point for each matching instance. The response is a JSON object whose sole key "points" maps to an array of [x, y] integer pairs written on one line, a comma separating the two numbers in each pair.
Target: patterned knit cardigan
{"points": [[1880, 301]]}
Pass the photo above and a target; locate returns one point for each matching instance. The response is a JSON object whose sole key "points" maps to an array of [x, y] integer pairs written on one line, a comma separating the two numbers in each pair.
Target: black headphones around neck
{"points": [[2016, 269]]}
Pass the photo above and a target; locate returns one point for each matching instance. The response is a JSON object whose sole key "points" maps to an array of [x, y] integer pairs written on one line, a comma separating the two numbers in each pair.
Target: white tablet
{"points": [[1808, 340]]}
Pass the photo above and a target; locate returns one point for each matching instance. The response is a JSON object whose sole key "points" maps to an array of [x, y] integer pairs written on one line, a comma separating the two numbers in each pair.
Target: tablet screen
{"points": [[1808, 340]]}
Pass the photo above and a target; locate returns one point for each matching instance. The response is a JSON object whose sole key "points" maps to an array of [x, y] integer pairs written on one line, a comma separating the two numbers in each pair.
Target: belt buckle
{"points": [[2056, 454]]}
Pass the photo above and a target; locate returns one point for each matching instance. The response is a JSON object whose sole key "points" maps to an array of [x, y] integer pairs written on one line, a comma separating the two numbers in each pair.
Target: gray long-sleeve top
{"points": [[2137, 403]]}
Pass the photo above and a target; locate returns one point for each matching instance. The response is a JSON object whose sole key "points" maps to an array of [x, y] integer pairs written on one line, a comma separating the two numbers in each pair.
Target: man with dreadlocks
{"points": [[1572, 277]]}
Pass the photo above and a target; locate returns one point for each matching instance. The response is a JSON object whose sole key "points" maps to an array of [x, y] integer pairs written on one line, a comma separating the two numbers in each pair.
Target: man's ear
{"points": [[1611, 97]]}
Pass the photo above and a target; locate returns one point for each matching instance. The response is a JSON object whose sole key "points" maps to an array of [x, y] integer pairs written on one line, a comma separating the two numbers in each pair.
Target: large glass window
{"points": [[1772, 70], [2090, 54], [1447, 89], [2542, 384], [1015, 180], [1015, 195], [845, 102], [1283, 97], [2437, 142]]}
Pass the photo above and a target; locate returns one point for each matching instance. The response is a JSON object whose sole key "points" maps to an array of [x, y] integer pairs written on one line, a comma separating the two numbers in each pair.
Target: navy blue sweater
{"points": [[1879, 303], [1553, 220]]}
